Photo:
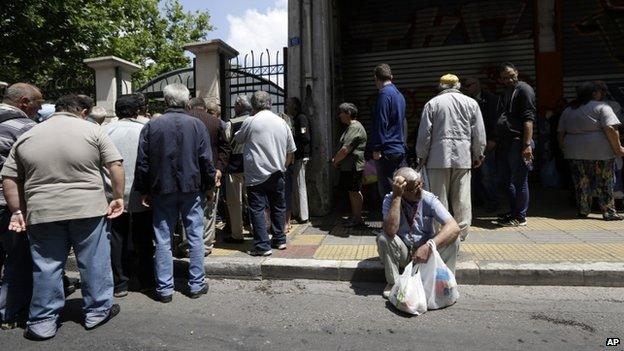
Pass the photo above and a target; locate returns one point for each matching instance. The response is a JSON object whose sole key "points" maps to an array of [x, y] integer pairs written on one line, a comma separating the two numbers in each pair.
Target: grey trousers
{"points": [[300, 192], [395, 255], [452, 185], [234, 195]]}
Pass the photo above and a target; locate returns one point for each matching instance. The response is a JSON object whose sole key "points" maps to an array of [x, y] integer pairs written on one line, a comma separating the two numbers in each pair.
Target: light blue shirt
{"points": [[125, 135], [423, 213]]}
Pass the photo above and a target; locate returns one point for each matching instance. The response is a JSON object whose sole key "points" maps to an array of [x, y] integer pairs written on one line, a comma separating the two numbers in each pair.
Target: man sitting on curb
{"points": [[408, 215]]}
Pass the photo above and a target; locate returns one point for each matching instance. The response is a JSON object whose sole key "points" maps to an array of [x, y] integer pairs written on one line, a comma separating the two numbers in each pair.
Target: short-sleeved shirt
{"points": [[267, 138], [125, 135], [584, 135], [355, 138], [59, 163], [416, 225]]}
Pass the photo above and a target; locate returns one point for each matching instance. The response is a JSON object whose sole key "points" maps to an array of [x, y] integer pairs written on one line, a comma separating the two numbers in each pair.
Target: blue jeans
{"points": [[386, 166], [514, 175], [268, 194], [167, 208], [49, 247], [16, 286]]}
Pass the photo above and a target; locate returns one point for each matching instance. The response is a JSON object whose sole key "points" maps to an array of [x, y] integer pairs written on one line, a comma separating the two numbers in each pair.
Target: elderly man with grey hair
{"points": [[97, 115], [408, 223], [174, 171], [268, 150], [17, 113], [451, 140], [234, 176]]}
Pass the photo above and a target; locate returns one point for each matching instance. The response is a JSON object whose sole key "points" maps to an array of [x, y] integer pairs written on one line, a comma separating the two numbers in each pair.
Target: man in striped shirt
{"points": [[17, 113]]}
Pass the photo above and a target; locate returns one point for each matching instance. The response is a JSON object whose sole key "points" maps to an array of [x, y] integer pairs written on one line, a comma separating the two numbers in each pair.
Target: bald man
{"points": [[409, 213], [18, 111]]}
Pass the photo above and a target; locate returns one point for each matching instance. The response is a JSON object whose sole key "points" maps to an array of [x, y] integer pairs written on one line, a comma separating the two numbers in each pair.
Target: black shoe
{"points": [[582, 215], [70, 285], [612, 217], [196, 295], [114, 310], [255, 252], [504, 217], [34, 337], [230, 240], [165, 299]]}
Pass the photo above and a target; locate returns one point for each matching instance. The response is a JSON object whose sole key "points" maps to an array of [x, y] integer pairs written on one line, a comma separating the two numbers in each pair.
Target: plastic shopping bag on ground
{"points": [[438, 281], [407, 293]]}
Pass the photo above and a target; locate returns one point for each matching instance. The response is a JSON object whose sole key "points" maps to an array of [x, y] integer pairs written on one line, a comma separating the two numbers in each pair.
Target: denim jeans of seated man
{"points": [[49, 247], [16, 287], [167, 208], [269, 194]]}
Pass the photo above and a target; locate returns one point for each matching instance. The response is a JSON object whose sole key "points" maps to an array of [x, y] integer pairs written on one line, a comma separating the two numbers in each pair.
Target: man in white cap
{"points": [[451, 140]]}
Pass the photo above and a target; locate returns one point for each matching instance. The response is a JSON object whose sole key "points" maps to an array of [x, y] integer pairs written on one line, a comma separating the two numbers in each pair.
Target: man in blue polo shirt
{"points": [[387, 139]]}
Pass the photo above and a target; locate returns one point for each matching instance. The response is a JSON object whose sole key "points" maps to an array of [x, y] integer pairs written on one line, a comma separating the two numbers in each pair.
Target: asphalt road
{"points": [[313, 315]]}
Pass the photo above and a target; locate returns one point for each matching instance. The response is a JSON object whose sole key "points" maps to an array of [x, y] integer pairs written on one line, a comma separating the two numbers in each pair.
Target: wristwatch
{"points": [[527, 144], [18, 212]]}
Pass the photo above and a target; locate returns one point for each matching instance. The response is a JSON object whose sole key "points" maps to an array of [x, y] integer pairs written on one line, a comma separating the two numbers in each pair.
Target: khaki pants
{"points": [[210, 219], [452, 186], [394, 255], [234, 195]]}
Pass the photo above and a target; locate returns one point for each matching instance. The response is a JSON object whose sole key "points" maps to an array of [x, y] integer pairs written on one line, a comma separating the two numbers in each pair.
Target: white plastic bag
{"points": [[438, 281], [408, 294]]}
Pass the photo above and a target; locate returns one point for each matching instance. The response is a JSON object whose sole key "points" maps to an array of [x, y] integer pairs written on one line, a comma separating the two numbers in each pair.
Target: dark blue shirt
{"points": [[174, 155], [389, 122]]}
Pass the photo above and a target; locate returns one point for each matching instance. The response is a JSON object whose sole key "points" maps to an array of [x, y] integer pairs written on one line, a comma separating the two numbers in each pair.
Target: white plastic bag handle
{"points": [[432, 243]]}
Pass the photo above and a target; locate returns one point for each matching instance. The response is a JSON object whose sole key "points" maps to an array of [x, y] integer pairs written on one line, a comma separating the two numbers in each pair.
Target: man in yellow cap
{"points": [[451, 140]]}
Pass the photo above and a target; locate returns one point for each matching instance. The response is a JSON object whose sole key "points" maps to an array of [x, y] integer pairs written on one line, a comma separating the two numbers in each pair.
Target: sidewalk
{"points": [[553, 249]]}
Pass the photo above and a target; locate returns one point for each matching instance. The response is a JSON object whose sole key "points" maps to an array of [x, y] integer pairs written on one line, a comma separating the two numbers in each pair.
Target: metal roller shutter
{"points": [[593, 44], [416, 70]]}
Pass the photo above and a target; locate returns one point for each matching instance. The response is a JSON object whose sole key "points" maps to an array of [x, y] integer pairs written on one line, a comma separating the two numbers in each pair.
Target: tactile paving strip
{"points": [[345, 252], [545, 252]]}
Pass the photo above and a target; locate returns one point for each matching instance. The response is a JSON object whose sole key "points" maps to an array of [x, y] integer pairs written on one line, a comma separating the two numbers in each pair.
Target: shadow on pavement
{"points": [[72, 311]]}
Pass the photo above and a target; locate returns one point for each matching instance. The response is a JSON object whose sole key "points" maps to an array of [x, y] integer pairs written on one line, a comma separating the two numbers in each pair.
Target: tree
{"points": [[44, 42]]}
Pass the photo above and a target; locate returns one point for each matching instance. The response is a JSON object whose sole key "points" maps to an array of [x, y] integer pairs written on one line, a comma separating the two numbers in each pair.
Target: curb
{"points": [[598, 274]]}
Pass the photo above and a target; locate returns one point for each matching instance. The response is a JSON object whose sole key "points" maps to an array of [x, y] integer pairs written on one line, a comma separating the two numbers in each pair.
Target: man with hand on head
{"points": [[408, 223]]}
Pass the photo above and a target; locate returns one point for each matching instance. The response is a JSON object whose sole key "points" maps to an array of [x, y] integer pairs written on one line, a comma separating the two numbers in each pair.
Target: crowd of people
{"points": [[74, 181], [70, 179], [471, 141]]}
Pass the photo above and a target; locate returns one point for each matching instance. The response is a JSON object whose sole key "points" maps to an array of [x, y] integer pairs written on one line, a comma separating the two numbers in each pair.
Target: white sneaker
{"points": [[386, 291]]}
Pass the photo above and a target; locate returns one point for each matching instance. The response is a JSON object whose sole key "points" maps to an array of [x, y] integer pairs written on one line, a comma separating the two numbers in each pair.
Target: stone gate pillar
{"points": [[212, 58], [113, 77]]}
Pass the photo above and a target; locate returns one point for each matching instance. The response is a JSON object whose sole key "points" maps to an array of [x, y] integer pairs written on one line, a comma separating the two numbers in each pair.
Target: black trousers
{"points": [[138, 228]]}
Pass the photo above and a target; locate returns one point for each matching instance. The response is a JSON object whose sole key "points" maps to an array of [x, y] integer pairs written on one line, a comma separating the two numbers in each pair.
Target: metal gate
{"points": [[252, 73]]}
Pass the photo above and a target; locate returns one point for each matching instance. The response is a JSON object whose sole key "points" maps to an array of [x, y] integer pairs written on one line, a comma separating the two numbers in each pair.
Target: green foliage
{"points": [[44, 42]]}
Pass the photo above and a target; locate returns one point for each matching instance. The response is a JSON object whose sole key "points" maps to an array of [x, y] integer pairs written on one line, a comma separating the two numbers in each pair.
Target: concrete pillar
{"points": [[210, 58], [548, 54], [310, 78], [113, 77]]}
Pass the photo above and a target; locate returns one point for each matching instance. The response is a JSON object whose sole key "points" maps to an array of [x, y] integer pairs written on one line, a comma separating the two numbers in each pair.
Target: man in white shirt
{"points": [[269, 148]]}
